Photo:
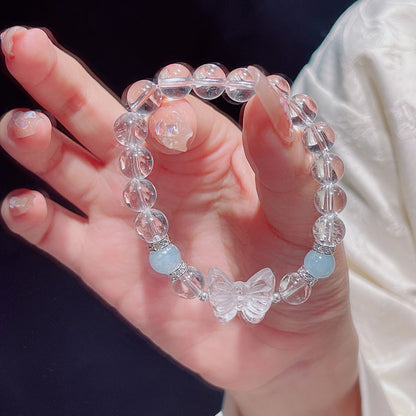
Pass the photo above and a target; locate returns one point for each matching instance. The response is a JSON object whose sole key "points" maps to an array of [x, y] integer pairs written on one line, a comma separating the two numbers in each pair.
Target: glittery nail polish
{"points": [[23, 124], [7, 38], [172, 131], [20, 204]]}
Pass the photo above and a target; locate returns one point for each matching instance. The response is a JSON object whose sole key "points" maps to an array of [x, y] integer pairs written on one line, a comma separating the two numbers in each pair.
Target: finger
{"points": [[30, 139], [173, 128], [59, 83], [213, 149], [281, 164], [45, 224], [62, 86]]}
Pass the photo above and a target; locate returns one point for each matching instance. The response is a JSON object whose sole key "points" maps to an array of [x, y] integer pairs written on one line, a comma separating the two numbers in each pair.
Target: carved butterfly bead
{"points": [[252, 299]]}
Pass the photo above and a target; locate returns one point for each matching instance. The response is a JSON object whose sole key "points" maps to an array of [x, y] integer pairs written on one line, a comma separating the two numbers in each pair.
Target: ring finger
{"points": [[29, 138]]}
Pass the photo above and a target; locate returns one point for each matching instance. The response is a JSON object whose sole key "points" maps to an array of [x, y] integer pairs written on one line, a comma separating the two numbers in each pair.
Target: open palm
{"points": [[239, 208]]}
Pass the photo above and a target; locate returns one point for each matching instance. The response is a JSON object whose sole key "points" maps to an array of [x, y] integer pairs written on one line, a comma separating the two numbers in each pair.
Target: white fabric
{"points": [[373, 398], [364, 79]]}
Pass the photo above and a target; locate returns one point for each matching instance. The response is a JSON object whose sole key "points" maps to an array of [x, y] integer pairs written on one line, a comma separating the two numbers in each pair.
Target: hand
{"points": [[240, 208]]}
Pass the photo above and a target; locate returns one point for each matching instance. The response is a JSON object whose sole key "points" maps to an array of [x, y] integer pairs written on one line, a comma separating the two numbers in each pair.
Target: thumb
{"points": [[281, 164]]}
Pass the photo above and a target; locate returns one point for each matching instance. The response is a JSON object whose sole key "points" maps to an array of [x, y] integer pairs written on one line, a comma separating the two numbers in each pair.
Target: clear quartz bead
{"points": [[318, 137], [175, 81], [330, 199], [303, 110], [280, 84], [152, 225], [136, 162], [329, 230], [139, 194], [294, 289], [190, 285], [130, 129], [143, 97], [240, 85], [328, 168], [209, 81]]}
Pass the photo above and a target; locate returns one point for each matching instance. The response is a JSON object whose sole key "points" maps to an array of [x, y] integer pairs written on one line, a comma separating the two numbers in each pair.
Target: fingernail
{"points": [[172, 131], [274, 103], [20, 204], [7, 38], [23, 124]]}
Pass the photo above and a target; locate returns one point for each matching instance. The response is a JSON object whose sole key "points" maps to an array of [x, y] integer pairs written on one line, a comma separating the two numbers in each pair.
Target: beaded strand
{"points": [[253, 298]]}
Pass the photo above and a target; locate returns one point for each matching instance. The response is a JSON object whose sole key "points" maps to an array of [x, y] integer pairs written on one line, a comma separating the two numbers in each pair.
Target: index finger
{"points": [[60, 84]]}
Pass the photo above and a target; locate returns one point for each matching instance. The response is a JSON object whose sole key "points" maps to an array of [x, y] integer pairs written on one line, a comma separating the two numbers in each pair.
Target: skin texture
{"points": [[237, 200]]}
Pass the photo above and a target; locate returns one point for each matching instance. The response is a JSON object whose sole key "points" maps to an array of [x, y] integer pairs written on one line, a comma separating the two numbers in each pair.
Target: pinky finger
{"points": [[45, 224]]}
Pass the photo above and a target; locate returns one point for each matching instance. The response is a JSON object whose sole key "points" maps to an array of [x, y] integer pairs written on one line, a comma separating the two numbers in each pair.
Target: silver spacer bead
{"points": [[310, 280], [181, 270], [276, 297], [160, 244], [323, 249], [203, 297]]}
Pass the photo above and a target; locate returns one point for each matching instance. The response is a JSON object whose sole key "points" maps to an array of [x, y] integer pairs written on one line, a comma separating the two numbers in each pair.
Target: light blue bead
{"points": [[165, 260], [319, 265]]}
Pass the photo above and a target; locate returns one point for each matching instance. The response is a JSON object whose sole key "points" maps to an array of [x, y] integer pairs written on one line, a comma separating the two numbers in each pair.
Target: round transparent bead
{"points": [[328, 168], [130, 129], [175, 81], [191, 284], [330, 199], [209, 81], [165, 260], [143, 97], [319, 265], [240, 85], [152, 225], [139, 195], [318, 137], [136, 162], [303, 110], [329, 230], [294, 289], [280, 84]]}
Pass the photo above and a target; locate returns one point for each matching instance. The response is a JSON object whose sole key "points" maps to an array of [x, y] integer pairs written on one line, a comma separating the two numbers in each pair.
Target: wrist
{"points": [[323, 383]]}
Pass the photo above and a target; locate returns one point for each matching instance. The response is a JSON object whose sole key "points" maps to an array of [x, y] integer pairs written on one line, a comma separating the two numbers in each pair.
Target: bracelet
{"points": [[253, 298]]}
